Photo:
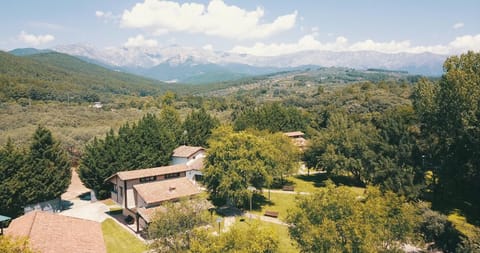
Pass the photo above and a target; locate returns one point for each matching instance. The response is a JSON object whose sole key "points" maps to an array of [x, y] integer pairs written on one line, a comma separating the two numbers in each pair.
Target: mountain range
{"points": [[175, 63], [192, 65]]}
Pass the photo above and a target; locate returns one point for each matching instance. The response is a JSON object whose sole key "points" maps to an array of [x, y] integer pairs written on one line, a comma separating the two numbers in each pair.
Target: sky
{"points": [[272, 27]]}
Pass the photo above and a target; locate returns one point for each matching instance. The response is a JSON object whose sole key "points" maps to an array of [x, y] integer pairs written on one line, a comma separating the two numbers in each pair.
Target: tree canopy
{"points": [[173, 227], [336, 220], [39, 174], [251, 237], [237, 160], [149, 143], [449, 114]]}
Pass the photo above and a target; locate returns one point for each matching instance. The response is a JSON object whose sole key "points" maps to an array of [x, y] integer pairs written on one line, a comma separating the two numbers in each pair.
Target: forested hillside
{"points": [[60, 77]]}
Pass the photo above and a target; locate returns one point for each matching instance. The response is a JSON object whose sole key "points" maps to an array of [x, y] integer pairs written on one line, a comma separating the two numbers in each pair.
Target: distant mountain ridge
{"points": [[191, 65], [51, 75]]}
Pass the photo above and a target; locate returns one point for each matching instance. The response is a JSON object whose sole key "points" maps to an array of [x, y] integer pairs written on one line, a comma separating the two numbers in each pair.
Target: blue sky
{"points": [[244, 26]]}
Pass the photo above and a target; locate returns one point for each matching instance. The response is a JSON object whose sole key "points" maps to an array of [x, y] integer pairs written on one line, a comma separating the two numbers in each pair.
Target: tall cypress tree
{"points": [[48, 171], [148, 143], [11, 162], [198, 127]]}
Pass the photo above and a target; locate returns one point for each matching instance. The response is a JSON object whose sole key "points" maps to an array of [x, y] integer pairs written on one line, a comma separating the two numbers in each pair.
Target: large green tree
{"points": [[41, 173], [173, 227], [47, 170], [237, 160], [336, 220], [241, 237], [449, 113], [345, 148], [12, 161], [148, 143], [197, 127]]}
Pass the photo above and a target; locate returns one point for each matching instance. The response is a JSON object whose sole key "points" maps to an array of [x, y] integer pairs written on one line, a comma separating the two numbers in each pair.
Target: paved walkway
{"points": [[76, 187], [287, 192], [249, 215], [76, 207], [95, 211]]}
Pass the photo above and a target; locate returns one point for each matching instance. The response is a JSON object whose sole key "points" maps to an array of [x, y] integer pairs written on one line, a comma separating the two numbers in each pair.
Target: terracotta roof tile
{"points": [[186, 151], [134, 174], [54, 233], [159, 191]]}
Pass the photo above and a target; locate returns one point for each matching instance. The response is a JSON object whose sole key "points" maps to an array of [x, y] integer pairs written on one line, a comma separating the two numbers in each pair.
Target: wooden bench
{"points": [[271, 214], [289, 188]]}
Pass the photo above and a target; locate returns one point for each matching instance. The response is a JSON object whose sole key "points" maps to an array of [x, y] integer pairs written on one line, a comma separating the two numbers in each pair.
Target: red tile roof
{"points": [[148, 213], [134, 174], [170, 189], [55, 233], [186, 151]]}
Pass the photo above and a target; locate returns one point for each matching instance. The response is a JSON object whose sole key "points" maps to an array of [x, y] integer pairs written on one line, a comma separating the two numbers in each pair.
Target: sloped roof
{"points": [[186, 151], [158, 171], [148, 213], [294, 134], [159, 191], [54, 233]]}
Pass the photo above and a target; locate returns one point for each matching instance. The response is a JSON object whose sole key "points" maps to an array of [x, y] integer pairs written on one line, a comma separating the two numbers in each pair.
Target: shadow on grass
{"points": [[459, 206], [320, 179]]}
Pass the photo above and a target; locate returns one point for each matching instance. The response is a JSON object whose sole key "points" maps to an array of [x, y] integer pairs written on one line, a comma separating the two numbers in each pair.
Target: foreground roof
{"points": [[158, 171], [170, 189], [186, 151], [55, 233]]}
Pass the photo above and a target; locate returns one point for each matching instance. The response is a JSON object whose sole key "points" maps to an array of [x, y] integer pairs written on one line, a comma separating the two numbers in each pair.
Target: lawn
{"points": [[279, 202], [313, 182], [118, 240], [286, 244]]}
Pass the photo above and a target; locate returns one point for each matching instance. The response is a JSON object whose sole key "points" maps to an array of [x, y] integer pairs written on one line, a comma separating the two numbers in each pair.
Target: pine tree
{"points": [[11, 162], [48, 171], [198, 127]]}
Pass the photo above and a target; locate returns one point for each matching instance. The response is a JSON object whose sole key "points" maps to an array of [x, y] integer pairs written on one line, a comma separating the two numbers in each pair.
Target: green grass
{"points": [[286, 244], [306, 183], [118, 240], [279, 202], [311, 183]]}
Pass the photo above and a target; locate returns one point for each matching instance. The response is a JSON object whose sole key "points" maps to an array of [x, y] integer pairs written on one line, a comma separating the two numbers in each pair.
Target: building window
{"points": [[148, 179], [172, 175], [121, 192]]}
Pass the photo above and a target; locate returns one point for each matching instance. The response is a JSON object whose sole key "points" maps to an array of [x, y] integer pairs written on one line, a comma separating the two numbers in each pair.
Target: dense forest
{"points": [[412, 143]]}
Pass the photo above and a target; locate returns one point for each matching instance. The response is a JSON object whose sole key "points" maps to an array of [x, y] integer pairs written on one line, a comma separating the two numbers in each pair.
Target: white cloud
{"points": [[465, 43], [35, 40], [140, 41], [107, 16], [309, 42], [216, 19], [458, 25], [208, 47]]}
